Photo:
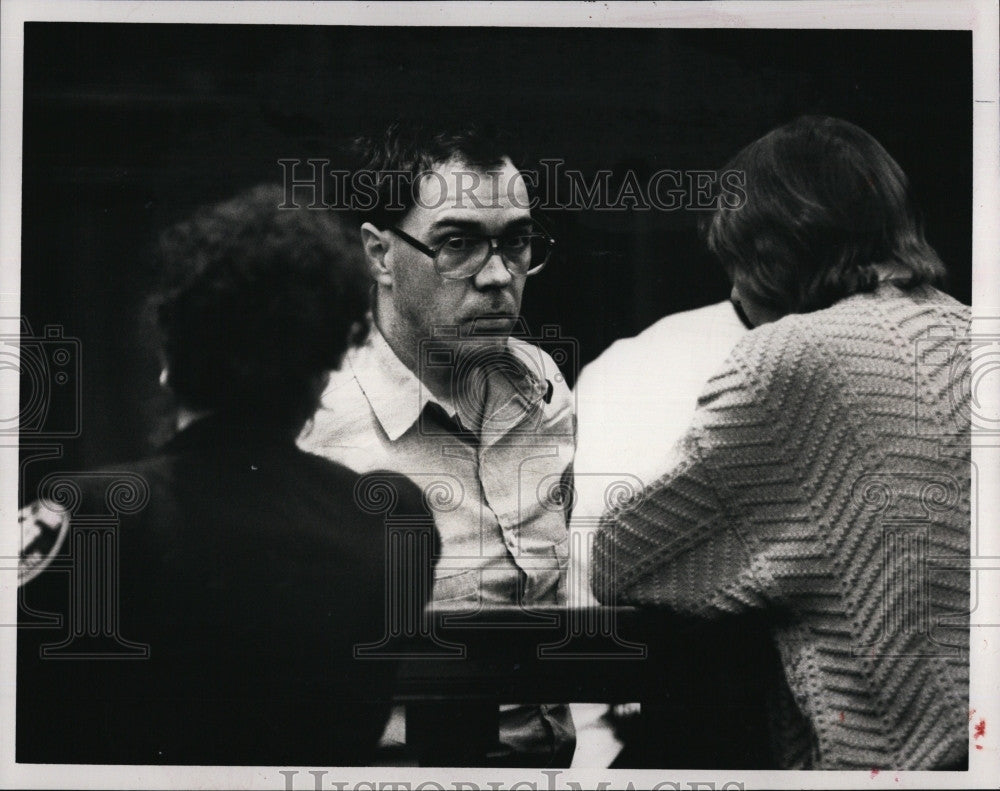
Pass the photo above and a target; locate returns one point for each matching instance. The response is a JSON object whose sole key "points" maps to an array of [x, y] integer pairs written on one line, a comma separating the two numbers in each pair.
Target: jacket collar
{"points": [[220, 432]]}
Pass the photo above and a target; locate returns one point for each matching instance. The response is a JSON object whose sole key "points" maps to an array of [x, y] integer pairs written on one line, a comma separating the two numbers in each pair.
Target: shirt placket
{"points": [[515, 462]]}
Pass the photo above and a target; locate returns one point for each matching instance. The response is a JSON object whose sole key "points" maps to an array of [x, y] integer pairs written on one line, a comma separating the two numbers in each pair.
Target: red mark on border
{"points": [[971, 712], [980, 730], [874, 773]]}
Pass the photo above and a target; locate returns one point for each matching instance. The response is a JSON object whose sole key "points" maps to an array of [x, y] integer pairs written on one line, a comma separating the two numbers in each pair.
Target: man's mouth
{"points": [[489, 323]]}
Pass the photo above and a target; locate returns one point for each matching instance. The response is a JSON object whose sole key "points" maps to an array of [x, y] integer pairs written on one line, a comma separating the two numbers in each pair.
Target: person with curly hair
{"points": [[247, 572]]}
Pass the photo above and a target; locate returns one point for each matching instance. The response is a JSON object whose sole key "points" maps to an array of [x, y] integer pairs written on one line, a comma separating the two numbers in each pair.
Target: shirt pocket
{"points": [[459, 588], [546, 574]]}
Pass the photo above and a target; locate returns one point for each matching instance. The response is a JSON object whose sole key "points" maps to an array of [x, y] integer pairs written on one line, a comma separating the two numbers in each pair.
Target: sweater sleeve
{"points": [[683, 543], [675, 547]]}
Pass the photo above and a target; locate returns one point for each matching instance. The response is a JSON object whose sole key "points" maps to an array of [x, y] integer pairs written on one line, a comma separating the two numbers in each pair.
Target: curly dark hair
{"points": [[256, 302], [387, 166], [824, 204]]}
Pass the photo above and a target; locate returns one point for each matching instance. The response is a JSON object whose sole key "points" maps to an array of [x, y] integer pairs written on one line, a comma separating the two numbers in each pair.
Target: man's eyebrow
{"points": [[462, 225], [473, 225]]}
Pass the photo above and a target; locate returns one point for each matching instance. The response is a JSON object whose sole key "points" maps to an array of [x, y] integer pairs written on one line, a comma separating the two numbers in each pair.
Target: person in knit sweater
{"points": [[825, 479]]}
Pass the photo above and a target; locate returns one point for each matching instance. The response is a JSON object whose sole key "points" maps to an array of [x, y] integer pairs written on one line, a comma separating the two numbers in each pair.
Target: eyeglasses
{"points": [[462, 256]]}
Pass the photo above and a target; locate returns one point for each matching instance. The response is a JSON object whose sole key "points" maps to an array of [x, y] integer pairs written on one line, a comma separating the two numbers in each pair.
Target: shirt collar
{"points": [[397, 397]]}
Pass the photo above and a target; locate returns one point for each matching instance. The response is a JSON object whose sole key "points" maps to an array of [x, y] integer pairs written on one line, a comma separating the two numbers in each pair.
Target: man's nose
{"points": [[494, 273]]}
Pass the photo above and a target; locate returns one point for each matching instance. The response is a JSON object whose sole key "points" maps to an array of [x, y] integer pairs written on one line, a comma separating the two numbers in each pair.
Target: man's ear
{"points": [[375, 251]]}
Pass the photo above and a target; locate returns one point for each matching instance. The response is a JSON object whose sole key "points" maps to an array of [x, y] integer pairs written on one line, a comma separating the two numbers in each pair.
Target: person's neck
{"points": [[406, 346], [440, 380], [890, 270], [249, 425]]}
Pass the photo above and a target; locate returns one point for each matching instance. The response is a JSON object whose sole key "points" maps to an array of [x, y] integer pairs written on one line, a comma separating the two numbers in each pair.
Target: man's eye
{"points": [[518, 242], [458, 244]]}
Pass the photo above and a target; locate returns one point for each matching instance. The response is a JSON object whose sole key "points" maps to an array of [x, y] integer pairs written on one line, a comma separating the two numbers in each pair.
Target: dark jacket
{"points": [[248, 578]]}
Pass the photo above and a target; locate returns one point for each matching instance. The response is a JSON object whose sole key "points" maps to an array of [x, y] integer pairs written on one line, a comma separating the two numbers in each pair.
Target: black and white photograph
{"points": [[479, 396]]}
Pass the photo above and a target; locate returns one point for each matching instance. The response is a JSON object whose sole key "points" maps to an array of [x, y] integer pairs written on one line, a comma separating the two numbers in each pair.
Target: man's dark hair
{"points": [[256, 303], [389, 165], [824, 204]]}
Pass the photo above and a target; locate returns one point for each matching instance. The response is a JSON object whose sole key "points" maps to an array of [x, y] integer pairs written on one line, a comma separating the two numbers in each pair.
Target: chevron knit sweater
{"points": [[825, 481]]}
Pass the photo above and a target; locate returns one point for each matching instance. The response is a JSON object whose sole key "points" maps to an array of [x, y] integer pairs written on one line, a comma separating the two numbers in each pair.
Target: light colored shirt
{"points": [[494, 467]]}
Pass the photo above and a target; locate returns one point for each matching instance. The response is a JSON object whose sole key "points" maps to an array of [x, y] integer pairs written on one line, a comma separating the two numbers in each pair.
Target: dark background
{"points": [[127, 128]]}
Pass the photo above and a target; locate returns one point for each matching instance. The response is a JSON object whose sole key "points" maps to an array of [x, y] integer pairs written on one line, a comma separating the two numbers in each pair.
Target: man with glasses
{"points": [[442, 392]]}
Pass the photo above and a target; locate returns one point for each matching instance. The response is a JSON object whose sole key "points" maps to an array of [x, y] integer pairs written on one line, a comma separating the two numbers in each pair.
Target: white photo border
{"points": [[978, 16]]}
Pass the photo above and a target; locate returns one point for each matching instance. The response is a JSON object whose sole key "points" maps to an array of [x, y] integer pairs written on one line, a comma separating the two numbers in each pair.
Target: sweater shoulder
{"points": [[771, 357], [880, 327]]}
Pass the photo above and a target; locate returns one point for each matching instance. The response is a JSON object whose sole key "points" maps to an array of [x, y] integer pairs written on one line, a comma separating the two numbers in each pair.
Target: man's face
{"points": [[455, 200]]}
